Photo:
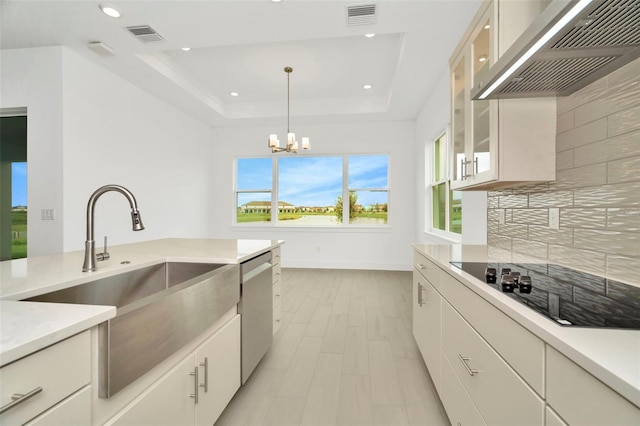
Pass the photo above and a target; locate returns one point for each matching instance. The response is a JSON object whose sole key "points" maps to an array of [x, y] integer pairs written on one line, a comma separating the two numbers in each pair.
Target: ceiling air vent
{"points": [[361, 14], [145, 33]]}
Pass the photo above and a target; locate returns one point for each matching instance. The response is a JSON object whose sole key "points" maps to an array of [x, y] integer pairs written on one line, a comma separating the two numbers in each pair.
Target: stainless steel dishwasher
{"points": [[256, 310]]}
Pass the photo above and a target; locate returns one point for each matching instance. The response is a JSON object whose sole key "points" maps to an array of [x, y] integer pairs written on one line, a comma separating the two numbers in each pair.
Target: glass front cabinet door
{"points": [[492, 138], [473, 122]]}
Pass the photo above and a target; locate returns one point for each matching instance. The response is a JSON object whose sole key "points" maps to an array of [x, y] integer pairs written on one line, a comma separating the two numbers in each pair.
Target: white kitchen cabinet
{"points": [[166, 402], [277, 288], [580, 399], [551, 418], [523, 351], [501, 396], [74, 410], [455, 399], [218, 362], [196, 390], [50, 375], [497, 143], [426, 319]]}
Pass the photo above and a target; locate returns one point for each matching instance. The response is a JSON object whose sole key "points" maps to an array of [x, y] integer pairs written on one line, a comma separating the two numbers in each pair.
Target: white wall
{"points": [[430, 124], [329, 248], [88, 127], [32, 78], [116, 133]]}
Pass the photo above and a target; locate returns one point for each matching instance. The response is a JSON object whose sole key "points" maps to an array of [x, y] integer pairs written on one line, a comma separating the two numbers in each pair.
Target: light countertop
{"points": [[611, 355], [26, 327]]}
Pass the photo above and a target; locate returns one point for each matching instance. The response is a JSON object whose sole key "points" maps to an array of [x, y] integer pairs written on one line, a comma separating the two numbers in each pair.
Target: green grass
{"points": [[253, 217], [19, 245]]}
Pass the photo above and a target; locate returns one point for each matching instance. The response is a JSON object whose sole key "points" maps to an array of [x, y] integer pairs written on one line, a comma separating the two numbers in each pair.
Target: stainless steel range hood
{"points": [[603, 35]]}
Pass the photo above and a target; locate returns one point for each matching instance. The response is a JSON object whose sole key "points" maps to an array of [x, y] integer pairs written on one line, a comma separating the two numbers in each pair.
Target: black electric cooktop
{"points": [[566, 296]]}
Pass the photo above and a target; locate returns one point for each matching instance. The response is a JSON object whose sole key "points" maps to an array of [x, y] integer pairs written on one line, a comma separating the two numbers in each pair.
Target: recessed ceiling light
{"points": [[486, 27], [234, 93], [276, 1], [482, 58], [109, 10], [367, 86], [370, 35], [186, 49]]}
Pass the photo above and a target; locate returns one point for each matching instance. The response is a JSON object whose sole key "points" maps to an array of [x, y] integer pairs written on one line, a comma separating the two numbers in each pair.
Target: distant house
{"points": [[265, 207], [19, 208]]}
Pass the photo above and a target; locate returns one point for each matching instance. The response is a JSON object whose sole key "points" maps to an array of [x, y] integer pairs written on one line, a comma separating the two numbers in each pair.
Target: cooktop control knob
{"points": [[525, 284], [490, 275], [508, 283]]}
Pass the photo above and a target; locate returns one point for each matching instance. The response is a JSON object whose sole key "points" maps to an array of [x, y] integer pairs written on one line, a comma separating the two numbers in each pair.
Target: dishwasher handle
{"points": [[247, 276]]}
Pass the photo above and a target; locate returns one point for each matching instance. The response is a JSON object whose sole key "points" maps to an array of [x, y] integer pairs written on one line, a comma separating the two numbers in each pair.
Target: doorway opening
{"points": [[13, 185]]}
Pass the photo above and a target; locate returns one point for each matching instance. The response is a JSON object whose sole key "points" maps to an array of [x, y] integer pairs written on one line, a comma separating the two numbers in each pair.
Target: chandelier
{"points": [[292, 143]]}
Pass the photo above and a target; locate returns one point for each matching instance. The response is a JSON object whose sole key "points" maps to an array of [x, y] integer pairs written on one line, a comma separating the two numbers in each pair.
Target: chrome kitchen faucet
{"points": [[90, 257]]}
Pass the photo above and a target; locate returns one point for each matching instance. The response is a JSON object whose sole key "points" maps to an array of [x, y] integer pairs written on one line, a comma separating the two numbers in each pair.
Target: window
{"points": [[446, 205], [309, 190], [253, 190]]}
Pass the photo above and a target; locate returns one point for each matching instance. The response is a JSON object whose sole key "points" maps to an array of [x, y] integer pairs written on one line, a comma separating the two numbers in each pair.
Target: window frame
{"points": [[344, 226], [431, 182]]}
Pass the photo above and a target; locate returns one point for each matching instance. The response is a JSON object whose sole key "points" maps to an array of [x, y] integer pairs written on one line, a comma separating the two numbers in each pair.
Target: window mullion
{"points": [[345, 190], [274, 194]]}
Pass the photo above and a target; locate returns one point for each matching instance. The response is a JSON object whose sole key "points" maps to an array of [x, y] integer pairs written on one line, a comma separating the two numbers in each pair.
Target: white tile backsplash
{"points": [[597, 189]]}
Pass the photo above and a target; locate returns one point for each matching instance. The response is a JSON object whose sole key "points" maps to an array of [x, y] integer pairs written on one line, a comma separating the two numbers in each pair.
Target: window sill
{"points": [[334, 229], [448, 237]]}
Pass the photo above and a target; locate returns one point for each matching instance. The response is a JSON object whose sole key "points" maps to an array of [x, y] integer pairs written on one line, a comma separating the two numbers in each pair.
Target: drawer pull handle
{"points": [[464, 361], [19, 398], [205, 364], [420, 265], [420, 294], [194, 395]]}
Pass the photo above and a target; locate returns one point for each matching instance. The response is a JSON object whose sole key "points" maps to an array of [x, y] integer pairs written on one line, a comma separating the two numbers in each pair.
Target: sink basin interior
{"points": [[123, 289]]}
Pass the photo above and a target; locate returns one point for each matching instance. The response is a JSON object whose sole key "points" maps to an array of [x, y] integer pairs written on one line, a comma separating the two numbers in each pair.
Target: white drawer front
{"points": [[582, 399], [460, 409], [277, 273], [75, 410], [428, 269], [275, 256], [520, 348], [60, 370], [501, 396], [277, 318], [551, 418], [277, 294]]}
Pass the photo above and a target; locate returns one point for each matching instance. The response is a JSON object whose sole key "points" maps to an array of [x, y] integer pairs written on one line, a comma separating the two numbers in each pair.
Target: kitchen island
{"points": [[559, 373], [35, 327]]}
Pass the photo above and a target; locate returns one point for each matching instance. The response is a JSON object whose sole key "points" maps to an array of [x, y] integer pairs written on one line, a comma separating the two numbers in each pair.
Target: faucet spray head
{"points": [[136, 220]]}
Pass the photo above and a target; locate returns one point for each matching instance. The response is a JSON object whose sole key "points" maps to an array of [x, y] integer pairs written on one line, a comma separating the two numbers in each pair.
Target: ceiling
{"points": [[243, 46]]}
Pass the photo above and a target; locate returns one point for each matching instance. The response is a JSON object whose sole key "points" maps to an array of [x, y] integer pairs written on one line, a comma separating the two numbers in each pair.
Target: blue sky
{"points": [[313, 181], [19, 184]]}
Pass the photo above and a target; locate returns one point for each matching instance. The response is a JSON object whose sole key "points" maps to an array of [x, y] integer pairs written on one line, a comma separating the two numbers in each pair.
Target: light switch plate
{"points": [[47, 214]]}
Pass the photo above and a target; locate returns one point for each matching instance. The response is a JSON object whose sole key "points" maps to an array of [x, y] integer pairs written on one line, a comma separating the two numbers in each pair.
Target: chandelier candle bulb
{"points": [[273, 141], [305, 143], [291, 138]]}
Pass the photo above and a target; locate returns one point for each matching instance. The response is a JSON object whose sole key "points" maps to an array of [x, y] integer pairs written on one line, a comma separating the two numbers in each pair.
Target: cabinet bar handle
{"points": [[419, 265], [19, 398], [420, 294], [195, 387], [205, 364], [464, 362]]}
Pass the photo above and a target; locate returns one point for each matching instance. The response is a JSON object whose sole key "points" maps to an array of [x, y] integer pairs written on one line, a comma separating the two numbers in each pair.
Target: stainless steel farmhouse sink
{"points": [[160, 308]]}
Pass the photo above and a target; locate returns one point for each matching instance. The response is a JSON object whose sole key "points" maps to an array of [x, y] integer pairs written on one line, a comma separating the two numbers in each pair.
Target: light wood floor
{"points": [[344, 355]]}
